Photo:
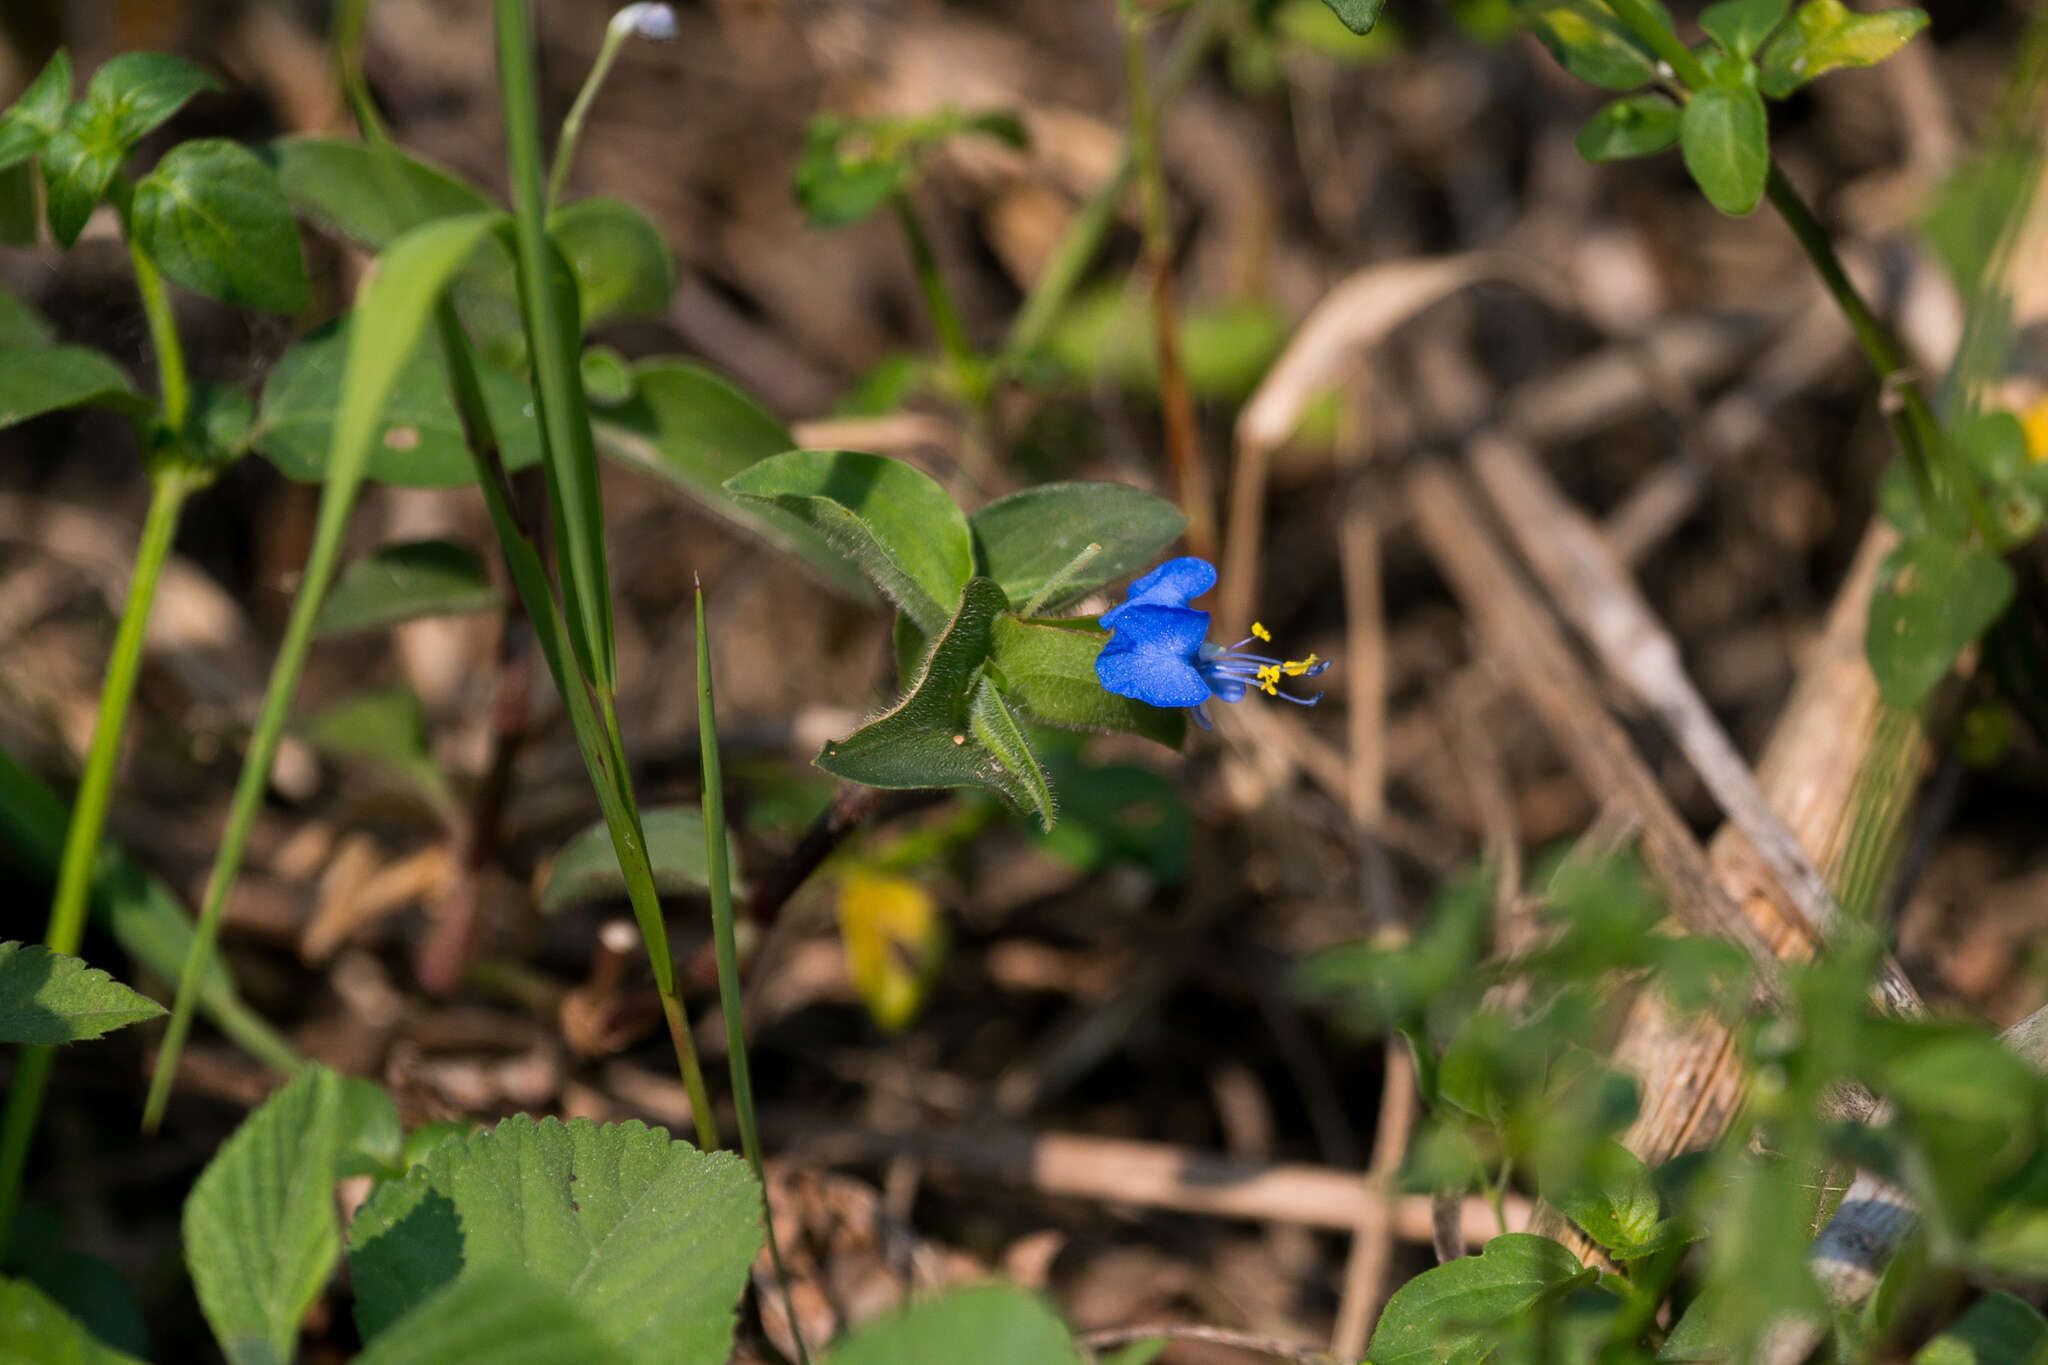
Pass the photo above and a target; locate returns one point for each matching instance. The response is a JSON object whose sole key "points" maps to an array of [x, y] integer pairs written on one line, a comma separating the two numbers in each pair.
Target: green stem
{"points": [[66, 930], [719, 876], [1070, 259], [1644, 23], [572, 125], [174, 389], [938, 299], [345, 36]]}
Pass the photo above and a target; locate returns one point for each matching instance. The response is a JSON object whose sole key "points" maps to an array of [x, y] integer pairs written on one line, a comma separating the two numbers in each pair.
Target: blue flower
{"points": [[1158, 651]]}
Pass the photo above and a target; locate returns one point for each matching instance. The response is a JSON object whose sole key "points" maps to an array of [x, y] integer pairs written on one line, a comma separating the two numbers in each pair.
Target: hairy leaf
{"points": [[1047, 668], [48, 997], [1023, 541]]}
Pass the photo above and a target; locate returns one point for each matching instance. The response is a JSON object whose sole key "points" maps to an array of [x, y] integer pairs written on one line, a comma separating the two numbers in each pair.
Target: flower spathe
{"points": [[1158, 651]]}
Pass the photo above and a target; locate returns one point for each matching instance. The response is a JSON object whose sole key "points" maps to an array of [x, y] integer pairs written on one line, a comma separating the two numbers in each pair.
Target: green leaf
{"points": [[1998, 1329], [498, 1314], [215, 220], [418, 440], [261, 1235], [1227, 347], [623, 267], [1616, 1204], [1825, 35], [652, 1237], [1635, 125], [1048, 669], [1358, 15], [76, 174], [1387, 986], [995, 727], [18, 205], [1446, 1314], [1590, 42], [39, 379], [1726, 141], [890, 519], [369, 194], [1116, 811], [691, 428], [404, 582], [1025, 540], [39, 112], [48, 997], [136, 91], [370, 1140], [34, 1330], [851, 167], [21, 325], [1740, 26], [1006, 1326], [929, 739], [587, 868], [386, 730], [1935, 596]]}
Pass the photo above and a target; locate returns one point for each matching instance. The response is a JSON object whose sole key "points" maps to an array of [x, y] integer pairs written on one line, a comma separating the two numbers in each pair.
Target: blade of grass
{"points": [[395, 302], [719, 875], [548, 306], [603, 757]]}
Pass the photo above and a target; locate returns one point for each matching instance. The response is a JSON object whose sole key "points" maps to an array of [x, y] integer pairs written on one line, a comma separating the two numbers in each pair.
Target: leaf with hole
{"points": [[1023, 541], [587, 868], [214, 219], [1047, 669], [416, 439], [404, 582], [623, 268], [39, 379], [890, 519], [369, 194], [1635, 125], [1826, 35], [652, 1237], [1725, 137], [1934, 597], [1007, 1326], [1447, 1313], [261, 1234], [48, 997], [35, 1330]]}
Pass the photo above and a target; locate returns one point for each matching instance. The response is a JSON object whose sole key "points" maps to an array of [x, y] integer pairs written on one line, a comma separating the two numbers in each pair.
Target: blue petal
{"points": [[1169, 585], [1177, 630], [1151, 656], [1227, 689]]}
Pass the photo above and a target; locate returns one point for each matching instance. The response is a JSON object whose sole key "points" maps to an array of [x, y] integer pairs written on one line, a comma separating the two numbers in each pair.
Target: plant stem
{"points": [[345, 36], [169, 487], [1644, 23], [1176, 405], [615, 36], [938, 299], [173, 388], [719, 877]]}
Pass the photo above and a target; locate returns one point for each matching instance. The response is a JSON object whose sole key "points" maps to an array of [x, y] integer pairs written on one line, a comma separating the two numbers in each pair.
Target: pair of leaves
{"points": [[48, 998]]}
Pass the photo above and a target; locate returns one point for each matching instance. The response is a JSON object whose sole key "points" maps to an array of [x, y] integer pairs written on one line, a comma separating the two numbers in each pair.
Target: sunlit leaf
{"points": [[405, 582], [48, 997]]}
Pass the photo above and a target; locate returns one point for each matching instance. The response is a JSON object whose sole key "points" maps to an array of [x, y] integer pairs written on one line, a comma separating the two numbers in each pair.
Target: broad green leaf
{"points": [[417, 435], [1225, 347], [369, 1139], [215, 220], [76, 174], [136, 91], [499, 1314], [587, 868], [1998, 1329], [1024, 540], [1616, 1205], [1006, 1325], [895, 942], [928, 739], [690, 427], [889, 518], [607, 377], [39, 379], [1446, 1314], [1635, 125], [1824, 35], [261, 1234], [996, 728], [1740, 26], [1588, 41], [652, 1237], [623, 267], [370, 195], [34, 1330], [21, 325], [1934, 597], [404, 582], [1726, 141], [48, 997], [28, 122], [386, 730], [1358, 15], [1047, 669]]}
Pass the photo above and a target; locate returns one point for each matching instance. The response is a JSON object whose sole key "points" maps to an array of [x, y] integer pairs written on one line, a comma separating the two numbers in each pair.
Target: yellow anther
{"points": [[2035, 421], [1269, 679], [1296, 667], [1262, 632]]}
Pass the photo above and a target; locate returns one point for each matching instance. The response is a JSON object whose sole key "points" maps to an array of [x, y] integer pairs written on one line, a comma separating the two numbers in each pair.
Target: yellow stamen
{"points": [[1262, 632], [1269, 679], [1296, 667]]}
